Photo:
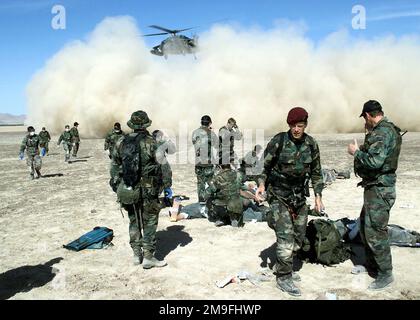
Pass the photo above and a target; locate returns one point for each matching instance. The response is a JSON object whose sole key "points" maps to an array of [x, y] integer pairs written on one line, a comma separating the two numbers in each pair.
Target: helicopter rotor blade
{"points": [[176, 31], [163, 29], [155, 34]]}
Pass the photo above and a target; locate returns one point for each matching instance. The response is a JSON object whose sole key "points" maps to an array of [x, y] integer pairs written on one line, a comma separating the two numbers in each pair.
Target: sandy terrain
{"points": [[38, 217]]}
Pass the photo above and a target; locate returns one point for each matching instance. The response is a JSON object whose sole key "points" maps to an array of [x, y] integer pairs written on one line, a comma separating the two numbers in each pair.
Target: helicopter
{"points": [[175, 44]]}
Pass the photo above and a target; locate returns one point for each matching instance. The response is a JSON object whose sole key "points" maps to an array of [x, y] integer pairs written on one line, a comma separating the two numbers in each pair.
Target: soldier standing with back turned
{"points": [[140, 174], [205, 143]]}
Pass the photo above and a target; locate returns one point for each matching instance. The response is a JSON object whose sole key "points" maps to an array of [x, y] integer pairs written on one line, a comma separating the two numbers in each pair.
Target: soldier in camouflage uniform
{"points": [[376, 162], [143, 245], [66, 137], [75, 139], [205, 143], [291, 159], [31, 144], [224, 194], [252, 165], [44, 139], [110, 140], [165, 146], [227, 136]]}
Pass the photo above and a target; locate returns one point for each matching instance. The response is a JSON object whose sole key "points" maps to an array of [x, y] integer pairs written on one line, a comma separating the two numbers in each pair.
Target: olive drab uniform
{"points": [[110, 140], [376, 163], [165, 147], [227, 143], [66, 137], [75, 139], [224, 194], [205, 143], [150, 184], [289, 164], [33, 160], [44, 139]]}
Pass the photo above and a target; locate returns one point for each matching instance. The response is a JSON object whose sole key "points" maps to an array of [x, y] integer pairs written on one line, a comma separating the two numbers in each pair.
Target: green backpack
{"points": [[323, 243]]}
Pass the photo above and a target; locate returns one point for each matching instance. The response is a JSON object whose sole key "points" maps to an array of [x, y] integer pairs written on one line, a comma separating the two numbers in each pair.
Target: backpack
{"points": [[131, 161], [323, 243], [128, 191], [98, 238]]}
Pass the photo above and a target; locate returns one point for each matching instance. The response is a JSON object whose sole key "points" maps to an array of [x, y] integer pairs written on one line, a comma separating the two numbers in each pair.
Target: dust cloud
{"points": [[250, 74]]}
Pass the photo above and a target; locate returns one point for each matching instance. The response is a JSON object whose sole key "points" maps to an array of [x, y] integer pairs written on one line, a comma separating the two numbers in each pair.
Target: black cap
{"points": [[117, 125], [75, 124], [157, 133], [43, 128], [371, 105], [31, 129], [205, 120]]}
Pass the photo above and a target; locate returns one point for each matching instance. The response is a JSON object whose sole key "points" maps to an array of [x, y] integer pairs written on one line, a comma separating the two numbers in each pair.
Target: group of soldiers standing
{"points": [[289, 162], [37, 146], [282, 172]]}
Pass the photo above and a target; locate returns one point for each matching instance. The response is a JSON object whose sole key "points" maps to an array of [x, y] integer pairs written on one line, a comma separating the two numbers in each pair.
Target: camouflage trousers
{"points": [[147, 238], [290, 233], [34, 163], [75, 148], [374, 218], [44, 144], [204, 175], [227, 213], [67, 148]]}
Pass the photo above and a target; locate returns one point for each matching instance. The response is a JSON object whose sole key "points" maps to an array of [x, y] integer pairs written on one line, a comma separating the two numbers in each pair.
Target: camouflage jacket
{"points": [[205, 143], [377, 159], [31, 144], [111, 139], [227, 141], [163, 148], [74, 135], [66, 137], [225, 187], [289, 167], [44, 136], [151, 172]]}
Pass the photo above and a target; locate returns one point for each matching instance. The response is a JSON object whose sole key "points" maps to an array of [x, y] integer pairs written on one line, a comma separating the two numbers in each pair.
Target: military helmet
{"points": [[76, 124], [43, 128], [117, 125], [67, 126], [31, 129], [232, 121], [139, 120]]}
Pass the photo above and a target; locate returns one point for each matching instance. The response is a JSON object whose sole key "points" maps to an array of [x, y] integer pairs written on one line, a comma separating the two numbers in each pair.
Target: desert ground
{"points": [[37, 217]]}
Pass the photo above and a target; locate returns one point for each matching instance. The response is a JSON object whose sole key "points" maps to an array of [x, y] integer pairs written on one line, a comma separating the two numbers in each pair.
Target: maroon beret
{"points": [[296, 115]]}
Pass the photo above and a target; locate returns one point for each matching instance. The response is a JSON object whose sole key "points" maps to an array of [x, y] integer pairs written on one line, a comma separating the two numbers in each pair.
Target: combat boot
{"points": [[152, 262], [31, 177], [286, 284], [296, 276], [219, 223], [138, 258], [38, 174], [381, 282]]}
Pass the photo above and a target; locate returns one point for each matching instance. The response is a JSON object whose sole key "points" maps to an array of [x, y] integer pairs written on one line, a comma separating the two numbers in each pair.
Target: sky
{"points": [[28, 41]]}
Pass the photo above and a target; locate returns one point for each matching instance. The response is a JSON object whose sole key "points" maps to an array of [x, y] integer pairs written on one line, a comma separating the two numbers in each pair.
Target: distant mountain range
{"points": [[8, 119]]}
